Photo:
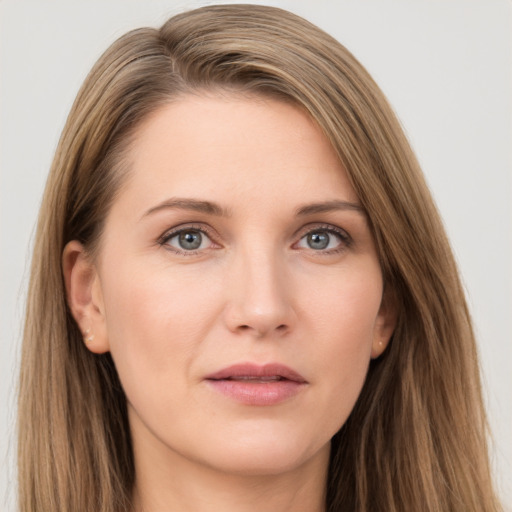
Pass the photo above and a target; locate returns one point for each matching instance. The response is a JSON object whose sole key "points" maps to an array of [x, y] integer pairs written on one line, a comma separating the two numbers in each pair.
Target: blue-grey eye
{"points": [[321, 240], [189, 240]]}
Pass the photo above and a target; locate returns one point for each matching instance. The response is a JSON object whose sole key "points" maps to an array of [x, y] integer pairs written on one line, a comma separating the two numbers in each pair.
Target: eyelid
{"points": [[191, 226], [346, 239], [317, 226]]}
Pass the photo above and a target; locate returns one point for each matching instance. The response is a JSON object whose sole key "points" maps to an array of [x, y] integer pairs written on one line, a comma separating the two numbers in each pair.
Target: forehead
{"points": [[232, 147]]}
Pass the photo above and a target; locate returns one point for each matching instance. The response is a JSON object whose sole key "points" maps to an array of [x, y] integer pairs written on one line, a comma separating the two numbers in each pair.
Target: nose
{"points": [[259, 296]]}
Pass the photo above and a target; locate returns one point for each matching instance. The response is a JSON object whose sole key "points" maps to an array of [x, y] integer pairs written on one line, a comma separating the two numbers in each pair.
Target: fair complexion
{"points": [[236, 239]]}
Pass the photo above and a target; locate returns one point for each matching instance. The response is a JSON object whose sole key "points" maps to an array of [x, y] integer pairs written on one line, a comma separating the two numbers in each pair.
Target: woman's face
{"points": [[237, 287]]}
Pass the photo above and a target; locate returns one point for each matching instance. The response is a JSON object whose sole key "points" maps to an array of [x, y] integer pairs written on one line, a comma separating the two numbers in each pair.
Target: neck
{"points": [[178, 485]]}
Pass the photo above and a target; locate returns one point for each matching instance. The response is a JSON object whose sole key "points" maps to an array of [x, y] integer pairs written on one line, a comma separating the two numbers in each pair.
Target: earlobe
{"points": [[384, 325], [84, 297]]}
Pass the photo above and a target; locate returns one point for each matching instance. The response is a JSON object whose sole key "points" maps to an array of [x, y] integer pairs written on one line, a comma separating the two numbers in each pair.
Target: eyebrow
{"points": [[196, 205], [328, 206], [211, 208]]}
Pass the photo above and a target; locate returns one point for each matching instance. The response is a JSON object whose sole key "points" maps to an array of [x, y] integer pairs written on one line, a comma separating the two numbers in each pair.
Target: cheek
{"points": [[344, 307], [155, 321], [342, 323]]}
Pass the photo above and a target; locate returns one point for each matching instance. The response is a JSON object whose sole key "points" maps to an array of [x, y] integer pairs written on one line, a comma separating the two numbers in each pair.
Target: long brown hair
{"points": [[416, 439]]}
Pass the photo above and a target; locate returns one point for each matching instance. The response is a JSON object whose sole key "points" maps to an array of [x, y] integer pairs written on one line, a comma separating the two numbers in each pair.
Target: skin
{"points": [[256, 290]]}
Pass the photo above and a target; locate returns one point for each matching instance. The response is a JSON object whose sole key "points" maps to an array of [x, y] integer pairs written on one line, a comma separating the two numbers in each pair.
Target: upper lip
{"points": [[255, 371]]}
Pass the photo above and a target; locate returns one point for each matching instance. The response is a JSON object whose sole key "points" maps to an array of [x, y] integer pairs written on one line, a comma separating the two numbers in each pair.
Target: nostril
{"points": [[246, 327]]}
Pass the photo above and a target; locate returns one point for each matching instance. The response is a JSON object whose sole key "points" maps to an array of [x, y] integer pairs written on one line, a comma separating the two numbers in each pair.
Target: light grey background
{"points": [[446, 66]]}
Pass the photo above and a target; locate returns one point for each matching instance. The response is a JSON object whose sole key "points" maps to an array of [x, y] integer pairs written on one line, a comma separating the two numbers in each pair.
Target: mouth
{"points": [[252, 384], [273, 372], [249, 378]]}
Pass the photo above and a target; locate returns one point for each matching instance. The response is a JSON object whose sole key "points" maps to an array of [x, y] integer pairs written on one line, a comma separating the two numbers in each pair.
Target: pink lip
{"points": [[253, 384]]}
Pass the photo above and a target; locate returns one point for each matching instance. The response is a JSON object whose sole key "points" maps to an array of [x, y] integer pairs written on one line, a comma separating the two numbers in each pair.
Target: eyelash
{"points": [[168, 235], [344, 237]]}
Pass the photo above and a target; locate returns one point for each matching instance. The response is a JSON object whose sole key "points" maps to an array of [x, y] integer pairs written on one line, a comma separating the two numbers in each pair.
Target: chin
{"points": [[260, 455]]}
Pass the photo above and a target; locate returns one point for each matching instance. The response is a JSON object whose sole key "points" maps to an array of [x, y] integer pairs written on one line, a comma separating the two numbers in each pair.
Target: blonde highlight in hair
{"points": [[416, 439]]}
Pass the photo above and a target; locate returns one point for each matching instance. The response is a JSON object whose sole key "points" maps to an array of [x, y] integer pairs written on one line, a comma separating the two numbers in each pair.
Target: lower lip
{"points": [[257, 393]]}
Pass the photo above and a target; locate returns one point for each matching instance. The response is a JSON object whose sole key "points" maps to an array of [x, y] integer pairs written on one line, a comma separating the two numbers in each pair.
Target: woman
{"points": [[242, 295]]}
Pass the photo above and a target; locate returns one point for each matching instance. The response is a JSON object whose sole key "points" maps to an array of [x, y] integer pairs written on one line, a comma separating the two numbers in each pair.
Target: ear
{"points": [[84, 296], [385, 323]]}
